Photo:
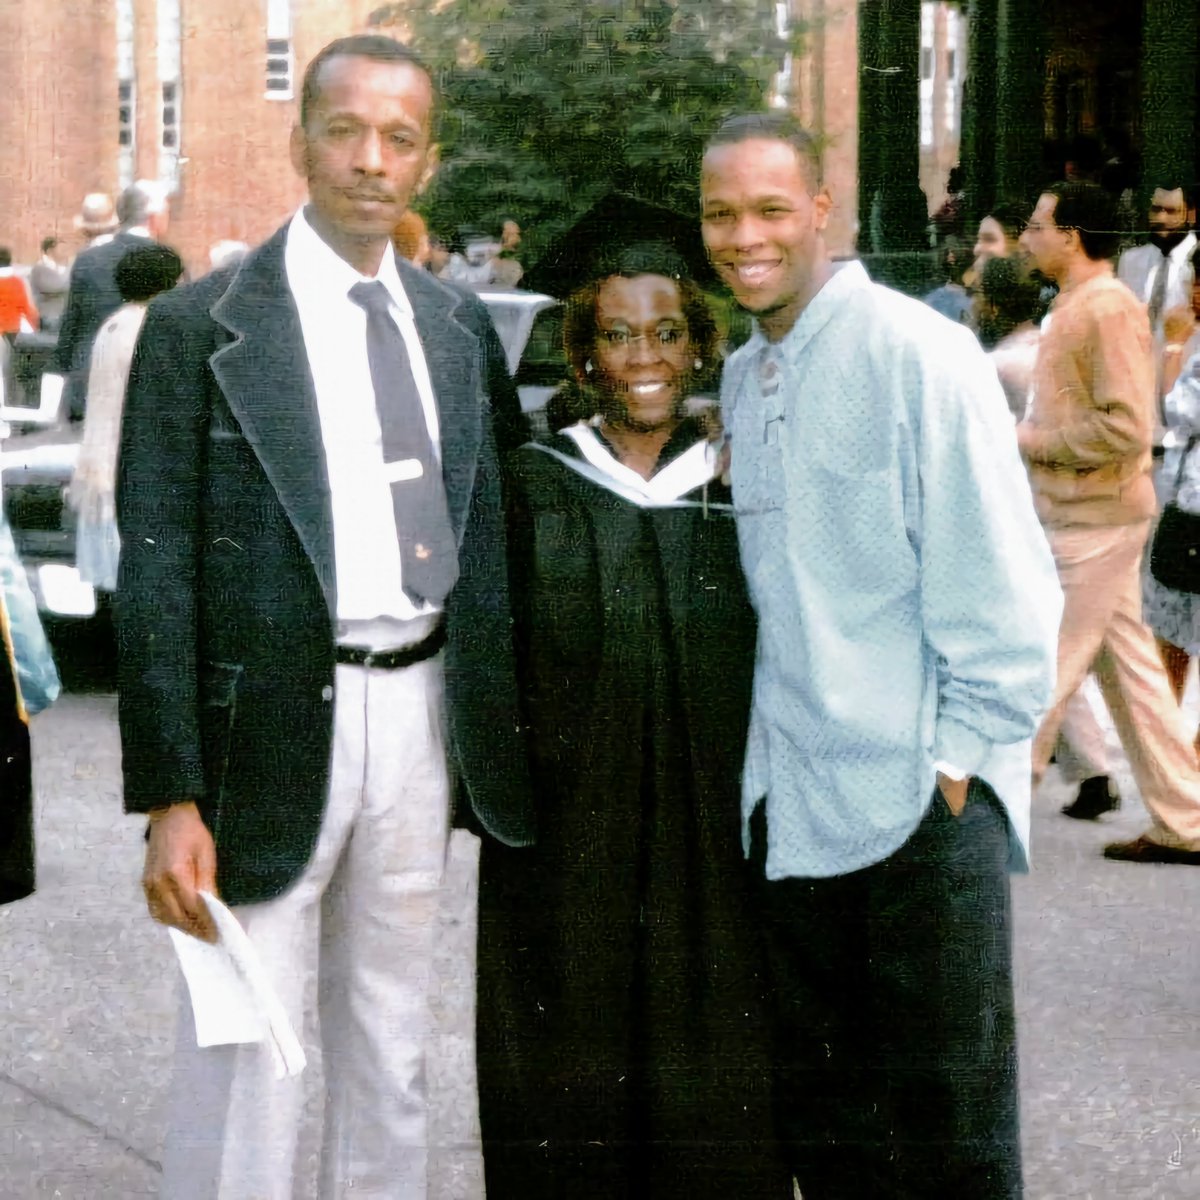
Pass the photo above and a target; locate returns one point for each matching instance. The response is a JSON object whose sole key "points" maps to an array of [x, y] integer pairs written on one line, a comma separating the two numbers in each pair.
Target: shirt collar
{"points": [[139, 231], [316, 268], [845, 279], [1184, 249]]}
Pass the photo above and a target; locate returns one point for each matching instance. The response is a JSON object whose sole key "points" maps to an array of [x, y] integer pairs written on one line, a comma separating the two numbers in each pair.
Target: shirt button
{"points": [[327, 692]]}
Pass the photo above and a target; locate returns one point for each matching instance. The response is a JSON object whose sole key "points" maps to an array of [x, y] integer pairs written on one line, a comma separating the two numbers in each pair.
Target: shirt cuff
{"points": [[960, 747]]}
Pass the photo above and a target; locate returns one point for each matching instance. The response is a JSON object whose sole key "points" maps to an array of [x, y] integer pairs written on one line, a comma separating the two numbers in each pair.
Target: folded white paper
{"points": [[232, 999]]}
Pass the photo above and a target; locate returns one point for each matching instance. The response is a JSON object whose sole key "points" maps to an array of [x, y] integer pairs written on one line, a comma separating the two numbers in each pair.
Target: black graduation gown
{"points": [[623, 1045]]}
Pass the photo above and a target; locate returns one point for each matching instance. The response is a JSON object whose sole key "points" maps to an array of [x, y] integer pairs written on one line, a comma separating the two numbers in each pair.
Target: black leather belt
{"points": [[393, 660]]}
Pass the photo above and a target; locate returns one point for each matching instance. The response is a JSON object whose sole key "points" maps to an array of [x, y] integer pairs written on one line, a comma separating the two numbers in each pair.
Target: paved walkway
{"points": [[1108, 993]]}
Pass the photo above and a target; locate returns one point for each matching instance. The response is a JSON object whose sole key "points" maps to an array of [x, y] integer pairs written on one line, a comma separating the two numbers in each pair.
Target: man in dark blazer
{"points": [[281, 674], [143, 209]]}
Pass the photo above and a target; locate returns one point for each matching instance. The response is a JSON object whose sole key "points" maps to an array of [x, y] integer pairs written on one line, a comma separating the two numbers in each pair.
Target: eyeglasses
{"points": [[665, 337]]}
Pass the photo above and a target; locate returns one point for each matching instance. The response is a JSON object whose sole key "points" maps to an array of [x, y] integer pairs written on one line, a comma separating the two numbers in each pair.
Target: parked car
{"points": [[36, 467]]}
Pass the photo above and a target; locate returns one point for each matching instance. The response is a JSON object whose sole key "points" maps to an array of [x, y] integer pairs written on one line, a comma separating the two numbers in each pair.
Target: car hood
{"points": [[45, 455]]}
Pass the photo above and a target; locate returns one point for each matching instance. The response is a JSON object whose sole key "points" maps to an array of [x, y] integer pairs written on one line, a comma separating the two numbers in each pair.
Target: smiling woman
{"points": [[622, 1046]]}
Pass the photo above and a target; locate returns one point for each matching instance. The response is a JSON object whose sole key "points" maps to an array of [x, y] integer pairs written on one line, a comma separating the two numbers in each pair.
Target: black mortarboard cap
{"points": [[620, 235]]}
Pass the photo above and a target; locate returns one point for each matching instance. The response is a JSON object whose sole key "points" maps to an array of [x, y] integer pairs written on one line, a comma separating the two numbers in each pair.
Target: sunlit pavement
{"points": [[1108, 979]]}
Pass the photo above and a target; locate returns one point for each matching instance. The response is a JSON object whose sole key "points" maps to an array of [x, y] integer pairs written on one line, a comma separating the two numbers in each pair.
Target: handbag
{"points": [[37, 677], [1175, 549]]}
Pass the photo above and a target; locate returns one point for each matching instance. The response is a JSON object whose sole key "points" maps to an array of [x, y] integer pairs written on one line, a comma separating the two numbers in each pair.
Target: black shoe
{"points": [[1096, 796], [1143, 850]]}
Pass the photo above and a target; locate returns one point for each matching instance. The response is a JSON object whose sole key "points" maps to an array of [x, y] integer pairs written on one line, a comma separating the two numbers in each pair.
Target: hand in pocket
{"points": [[954, 792]]}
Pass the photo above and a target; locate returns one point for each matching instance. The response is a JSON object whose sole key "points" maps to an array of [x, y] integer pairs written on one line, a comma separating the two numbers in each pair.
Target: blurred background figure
{"points": [[226, 251], [49, 279], [951, 298], [439, 256], [1159, 272], [144, 214], [17, 310], [97, 219], [142, 273], [1006, 306], [411, 239], [1172, 615], [997, 237], [948, 221], [475, 265], [506, 270]]}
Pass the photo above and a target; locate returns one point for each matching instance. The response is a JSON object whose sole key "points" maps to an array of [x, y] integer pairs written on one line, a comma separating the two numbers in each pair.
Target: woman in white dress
{"points": [[140, 275]]}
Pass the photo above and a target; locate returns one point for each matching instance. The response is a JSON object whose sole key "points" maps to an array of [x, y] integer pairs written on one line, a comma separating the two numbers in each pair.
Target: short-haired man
{"points": [[49, 278], [1159, 273], [907, 612], [315, 555], [143, 211], [1086, 439]]}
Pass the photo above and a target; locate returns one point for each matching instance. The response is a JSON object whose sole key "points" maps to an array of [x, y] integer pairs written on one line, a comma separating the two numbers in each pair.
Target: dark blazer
{"points": [[92, 298], [227, 597]]}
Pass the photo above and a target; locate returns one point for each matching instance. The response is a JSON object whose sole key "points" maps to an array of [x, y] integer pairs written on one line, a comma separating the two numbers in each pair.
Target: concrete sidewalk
{"points": [[1108, 982]]}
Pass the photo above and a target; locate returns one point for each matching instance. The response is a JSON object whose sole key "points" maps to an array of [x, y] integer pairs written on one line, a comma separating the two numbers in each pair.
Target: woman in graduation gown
{"points": [[623, 1048]]}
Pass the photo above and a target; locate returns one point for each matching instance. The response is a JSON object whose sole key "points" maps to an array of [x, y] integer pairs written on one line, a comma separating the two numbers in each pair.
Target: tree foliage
{"points": [[547, 106]]}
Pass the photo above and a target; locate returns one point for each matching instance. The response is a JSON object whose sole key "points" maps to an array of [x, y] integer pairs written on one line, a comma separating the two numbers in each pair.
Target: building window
{"points": [[170, 71], [280, 60], [953, 96], [927, 64], [126, 95]]}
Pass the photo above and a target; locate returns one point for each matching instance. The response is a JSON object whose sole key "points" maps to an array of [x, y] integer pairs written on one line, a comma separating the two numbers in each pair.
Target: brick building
{"points": [[822, 84], [200, 94]]}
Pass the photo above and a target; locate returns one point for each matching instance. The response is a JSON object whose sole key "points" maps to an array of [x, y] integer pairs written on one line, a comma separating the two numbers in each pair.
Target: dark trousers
{"points": [[897, 1070]]}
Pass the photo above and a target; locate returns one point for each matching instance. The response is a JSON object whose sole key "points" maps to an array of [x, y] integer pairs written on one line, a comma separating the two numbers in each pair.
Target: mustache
{"points": [[368, 194]]}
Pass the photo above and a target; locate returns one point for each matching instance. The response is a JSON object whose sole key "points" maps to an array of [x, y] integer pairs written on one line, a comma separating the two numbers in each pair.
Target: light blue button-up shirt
{"points": [[908, 603]]}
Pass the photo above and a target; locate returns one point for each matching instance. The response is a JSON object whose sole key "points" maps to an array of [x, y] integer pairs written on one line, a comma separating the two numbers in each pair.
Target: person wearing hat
{"points": [[97, 219], [143, 211], [622, 1043]]}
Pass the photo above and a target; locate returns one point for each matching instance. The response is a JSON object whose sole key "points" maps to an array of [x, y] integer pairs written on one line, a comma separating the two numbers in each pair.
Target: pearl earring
{"points": [[699, 363], [587, 366]]}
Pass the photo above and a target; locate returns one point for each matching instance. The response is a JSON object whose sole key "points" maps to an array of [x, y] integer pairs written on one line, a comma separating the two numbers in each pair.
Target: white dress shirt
{"points": [[366, 549], [1139, 267], [908, 603]]}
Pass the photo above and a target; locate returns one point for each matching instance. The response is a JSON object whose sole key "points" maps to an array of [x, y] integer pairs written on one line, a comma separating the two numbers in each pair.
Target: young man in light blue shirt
{"points": [[908, 609]]}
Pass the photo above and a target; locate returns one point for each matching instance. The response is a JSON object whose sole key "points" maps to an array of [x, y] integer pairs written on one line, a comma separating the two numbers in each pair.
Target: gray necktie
{"points": [[1158, 294], [428, 553]]}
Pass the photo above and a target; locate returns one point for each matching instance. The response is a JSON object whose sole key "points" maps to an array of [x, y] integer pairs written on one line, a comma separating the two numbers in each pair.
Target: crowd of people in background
{"points": [[1110, 322]]}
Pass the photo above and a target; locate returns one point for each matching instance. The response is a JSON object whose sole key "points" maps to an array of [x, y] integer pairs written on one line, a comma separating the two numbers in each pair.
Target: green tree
{"points": [[548, 106]]}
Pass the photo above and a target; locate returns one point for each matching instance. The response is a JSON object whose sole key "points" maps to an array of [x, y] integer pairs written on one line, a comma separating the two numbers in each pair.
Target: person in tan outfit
{"points": [[1086, 439]]}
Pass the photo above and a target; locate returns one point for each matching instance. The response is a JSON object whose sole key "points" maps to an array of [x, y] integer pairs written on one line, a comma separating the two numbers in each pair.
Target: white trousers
{"points": [[359, 923]]}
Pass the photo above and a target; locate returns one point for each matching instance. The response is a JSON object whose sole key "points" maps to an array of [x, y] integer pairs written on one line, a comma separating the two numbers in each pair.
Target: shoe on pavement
{"points": [[1143, 850], [1096, 797]]}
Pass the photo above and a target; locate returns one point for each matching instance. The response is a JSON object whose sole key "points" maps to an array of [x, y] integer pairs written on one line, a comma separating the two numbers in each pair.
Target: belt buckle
{"points": [[369, 658]]}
